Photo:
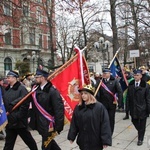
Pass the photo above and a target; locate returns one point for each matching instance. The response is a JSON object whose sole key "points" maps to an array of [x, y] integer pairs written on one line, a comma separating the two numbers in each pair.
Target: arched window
{"points": [[7, 64]]}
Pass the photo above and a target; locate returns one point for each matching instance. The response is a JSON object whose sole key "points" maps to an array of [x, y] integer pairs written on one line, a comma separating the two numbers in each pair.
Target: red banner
{"points": [[68, 79]]}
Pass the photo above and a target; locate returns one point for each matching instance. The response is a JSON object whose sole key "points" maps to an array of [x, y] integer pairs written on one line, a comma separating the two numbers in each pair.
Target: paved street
{"points": [[124, 138]]}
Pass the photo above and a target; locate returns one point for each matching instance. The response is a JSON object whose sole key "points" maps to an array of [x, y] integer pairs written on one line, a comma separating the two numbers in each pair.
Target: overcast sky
{"points": [[104, 15]]}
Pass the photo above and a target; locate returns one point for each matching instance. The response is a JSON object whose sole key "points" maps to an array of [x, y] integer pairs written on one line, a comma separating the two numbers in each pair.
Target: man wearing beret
{"points": [[17, 119], [48, 111], [107, 95], [138, 103]]}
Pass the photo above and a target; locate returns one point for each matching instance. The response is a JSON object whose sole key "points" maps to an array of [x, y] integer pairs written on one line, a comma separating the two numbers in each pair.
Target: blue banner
{"points": [[3, 116], [117, 72]]}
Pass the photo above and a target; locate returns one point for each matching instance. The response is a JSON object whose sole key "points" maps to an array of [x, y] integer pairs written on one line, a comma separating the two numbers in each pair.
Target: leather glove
{"points": [[58, 132], [11, 118], [10, 108]]}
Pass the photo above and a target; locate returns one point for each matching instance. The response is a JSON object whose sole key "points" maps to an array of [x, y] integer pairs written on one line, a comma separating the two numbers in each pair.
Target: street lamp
{"points": [[34, 56], [145, 54], [102, 46], [95, 60]]}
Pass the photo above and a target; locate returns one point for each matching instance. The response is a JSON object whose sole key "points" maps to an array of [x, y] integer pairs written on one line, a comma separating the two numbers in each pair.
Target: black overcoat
{"points": [[50, 100], [90, 123], [138, 100], [18, 117], [105, 97]]}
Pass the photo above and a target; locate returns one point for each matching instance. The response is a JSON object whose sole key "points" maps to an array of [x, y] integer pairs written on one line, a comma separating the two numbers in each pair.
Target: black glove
{"points": [[10, 107], [11, 118], [58, 131]]}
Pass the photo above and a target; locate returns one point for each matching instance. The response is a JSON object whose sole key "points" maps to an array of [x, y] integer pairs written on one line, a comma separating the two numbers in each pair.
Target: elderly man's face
{"points": [[11, 80], [137, 77], [106, 75]]}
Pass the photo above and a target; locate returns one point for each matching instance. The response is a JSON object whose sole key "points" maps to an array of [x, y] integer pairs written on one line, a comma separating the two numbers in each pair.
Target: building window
{"points": [[7, 64], [8, 38], [40, 40], [39, 15], [7, 9], [91, 69], [32, 36], [25, 10], [39, 1]]}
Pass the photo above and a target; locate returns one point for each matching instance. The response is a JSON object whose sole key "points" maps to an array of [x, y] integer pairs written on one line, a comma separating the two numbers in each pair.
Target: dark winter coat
{"points": [[50, 100], [90, 123], [145, 77], [17, 118], [138, 100], [105, 97]]}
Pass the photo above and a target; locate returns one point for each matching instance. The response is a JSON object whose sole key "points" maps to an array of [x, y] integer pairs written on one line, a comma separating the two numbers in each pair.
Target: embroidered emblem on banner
{"points": [[73, 90]]}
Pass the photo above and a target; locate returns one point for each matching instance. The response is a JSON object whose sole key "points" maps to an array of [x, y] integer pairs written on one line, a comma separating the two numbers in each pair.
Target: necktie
{"points": [[137, 84]]}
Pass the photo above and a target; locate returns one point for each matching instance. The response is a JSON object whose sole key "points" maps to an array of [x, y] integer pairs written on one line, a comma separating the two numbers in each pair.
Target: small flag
{"points": [[3, 116], [117, 72]]}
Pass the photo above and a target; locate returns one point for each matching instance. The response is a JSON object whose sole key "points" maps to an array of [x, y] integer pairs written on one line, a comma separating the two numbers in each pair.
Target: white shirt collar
{"points": [[42, 86], [108, 79], [137, 82]]}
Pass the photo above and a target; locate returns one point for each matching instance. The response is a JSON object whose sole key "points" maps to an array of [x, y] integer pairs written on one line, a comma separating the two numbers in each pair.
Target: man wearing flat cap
{"points": [[138, 103], [18, 118], [107, 94], [48, 110]]}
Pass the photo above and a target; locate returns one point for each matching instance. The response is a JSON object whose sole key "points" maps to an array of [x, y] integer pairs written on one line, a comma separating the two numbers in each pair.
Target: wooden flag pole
{"points": [[114, 57], [22, 100], [68, 62], [63, 66], [99, 85]]}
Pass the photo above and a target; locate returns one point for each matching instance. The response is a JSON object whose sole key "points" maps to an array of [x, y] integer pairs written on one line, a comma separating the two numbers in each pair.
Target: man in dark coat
{"points": [[108, 96], [47, 98], [138, 103], [17, 119]]}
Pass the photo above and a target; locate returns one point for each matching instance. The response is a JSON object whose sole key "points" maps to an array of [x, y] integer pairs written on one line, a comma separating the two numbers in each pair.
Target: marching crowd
{"points": [[93, 119]]}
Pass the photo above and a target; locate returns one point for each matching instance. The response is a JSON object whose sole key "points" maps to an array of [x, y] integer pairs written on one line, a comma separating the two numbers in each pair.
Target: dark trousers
{"points": [[111, 112], [140, 125], [52, 145], [11, 135], [121, 104]]}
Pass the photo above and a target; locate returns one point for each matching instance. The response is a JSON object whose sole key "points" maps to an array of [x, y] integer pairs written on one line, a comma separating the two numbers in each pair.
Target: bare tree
{"points": [[84, 14], [67, 36], [114, 25], [133, 19]]}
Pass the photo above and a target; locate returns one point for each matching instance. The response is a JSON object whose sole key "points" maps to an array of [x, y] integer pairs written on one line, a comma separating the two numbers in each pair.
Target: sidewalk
{"points": [[124, 137]]}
